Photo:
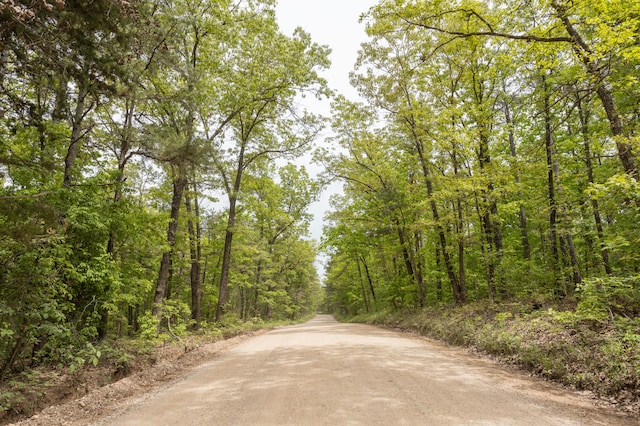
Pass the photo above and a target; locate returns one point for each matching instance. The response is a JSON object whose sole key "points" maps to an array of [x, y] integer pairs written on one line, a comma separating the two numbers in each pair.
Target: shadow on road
{"points": [[327, 373]]}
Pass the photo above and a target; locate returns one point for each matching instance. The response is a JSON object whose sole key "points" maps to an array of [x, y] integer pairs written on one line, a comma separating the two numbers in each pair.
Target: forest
{"points": [[493, 157], [152, 182], [147, 174]]}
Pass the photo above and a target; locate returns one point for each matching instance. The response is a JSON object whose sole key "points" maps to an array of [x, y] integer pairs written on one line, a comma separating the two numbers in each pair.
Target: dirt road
{"points": [[327, 373]]}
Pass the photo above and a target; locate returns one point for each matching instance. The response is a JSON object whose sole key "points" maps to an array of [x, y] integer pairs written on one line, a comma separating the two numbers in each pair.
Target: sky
{"points": [[333, 23]]}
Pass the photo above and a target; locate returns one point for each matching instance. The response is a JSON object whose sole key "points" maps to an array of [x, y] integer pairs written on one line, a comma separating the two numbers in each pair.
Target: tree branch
{"points": [[489, 33]]}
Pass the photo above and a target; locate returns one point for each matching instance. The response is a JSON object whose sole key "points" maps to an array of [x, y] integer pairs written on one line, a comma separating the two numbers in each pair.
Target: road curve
{"points": [[326, 373]]}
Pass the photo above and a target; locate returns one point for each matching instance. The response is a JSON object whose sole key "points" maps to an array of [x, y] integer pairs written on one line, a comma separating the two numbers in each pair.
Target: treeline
{"points": [[494, 157], [120, 121]]}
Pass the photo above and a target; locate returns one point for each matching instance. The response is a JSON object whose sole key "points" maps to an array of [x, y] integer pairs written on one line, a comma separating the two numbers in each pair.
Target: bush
{"points": [[602, 298]]}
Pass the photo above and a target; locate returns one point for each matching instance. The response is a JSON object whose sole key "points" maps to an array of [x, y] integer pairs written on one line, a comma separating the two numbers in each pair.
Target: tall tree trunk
{"points": [[459, 290], [499, 248], [553, 207], [417, 256], [228, 238], [576, 275], [485, 250], [584, 128], [76, 136], [369, 279], [459, 221], [566, 236], [438, 278], [258, 283], [226, 260], [489, 206], [524, 233], [405, 250], [488, 214], [179, 184], [243, 303], [195, 253], [362, 288]]}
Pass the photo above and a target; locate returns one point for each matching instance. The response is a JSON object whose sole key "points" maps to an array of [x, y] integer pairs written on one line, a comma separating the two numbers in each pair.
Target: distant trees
{"points": [[119, 123], [506, 127]]}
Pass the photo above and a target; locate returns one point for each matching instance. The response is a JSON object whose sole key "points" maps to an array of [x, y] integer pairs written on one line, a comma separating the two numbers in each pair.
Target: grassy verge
{"points": [[599, 356]]}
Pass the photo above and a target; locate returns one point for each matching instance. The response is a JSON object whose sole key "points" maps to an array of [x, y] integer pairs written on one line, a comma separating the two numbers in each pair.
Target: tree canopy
{"points": [[122, 124], [501, 162]]}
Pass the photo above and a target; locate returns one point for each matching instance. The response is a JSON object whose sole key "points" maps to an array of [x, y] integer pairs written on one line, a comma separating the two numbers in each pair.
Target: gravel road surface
{"points": [[327, 373]]}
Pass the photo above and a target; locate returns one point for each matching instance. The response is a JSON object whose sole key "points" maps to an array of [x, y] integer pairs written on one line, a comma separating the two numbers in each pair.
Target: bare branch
{"points": [[489, 33]]}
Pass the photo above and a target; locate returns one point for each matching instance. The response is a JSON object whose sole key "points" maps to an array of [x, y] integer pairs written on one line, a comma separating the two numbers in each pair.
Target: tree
{"points": [[578, 20], [184, 97], [58, 64], [281, 218], [268, 126], [502, 163]]}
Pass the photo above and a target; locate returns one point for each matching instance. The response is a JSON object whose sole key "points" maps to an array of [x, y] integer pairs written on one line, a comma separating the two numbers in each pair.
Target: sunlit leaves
{"points": [[470, 94]]}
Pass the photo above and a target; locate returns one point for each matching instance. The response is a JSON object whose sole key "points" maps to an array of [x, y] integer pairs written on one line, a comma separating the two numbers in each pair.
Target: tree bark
{"points": [[438, 278], [179, 184], [584, 126], [369, 279], [459, 224], [195, 255], [228, 238], [362, 288], [76, 136], [524, 233], [422, 287], [488, 214], [459, 290], [553, 207], [405, 250], [226, 260]]}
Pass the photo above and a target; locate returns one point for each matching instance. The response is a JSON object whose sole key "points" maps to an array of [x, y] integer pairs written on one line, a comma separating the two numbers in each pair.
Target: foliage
{"points": [[492, 158], [604, 297], [114, 115]]}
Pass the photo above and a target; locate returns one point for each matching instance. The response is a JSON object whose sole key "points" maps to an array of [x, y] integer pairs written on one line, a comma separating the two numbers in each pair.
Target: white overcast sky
{"points": [[333, 23]]}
